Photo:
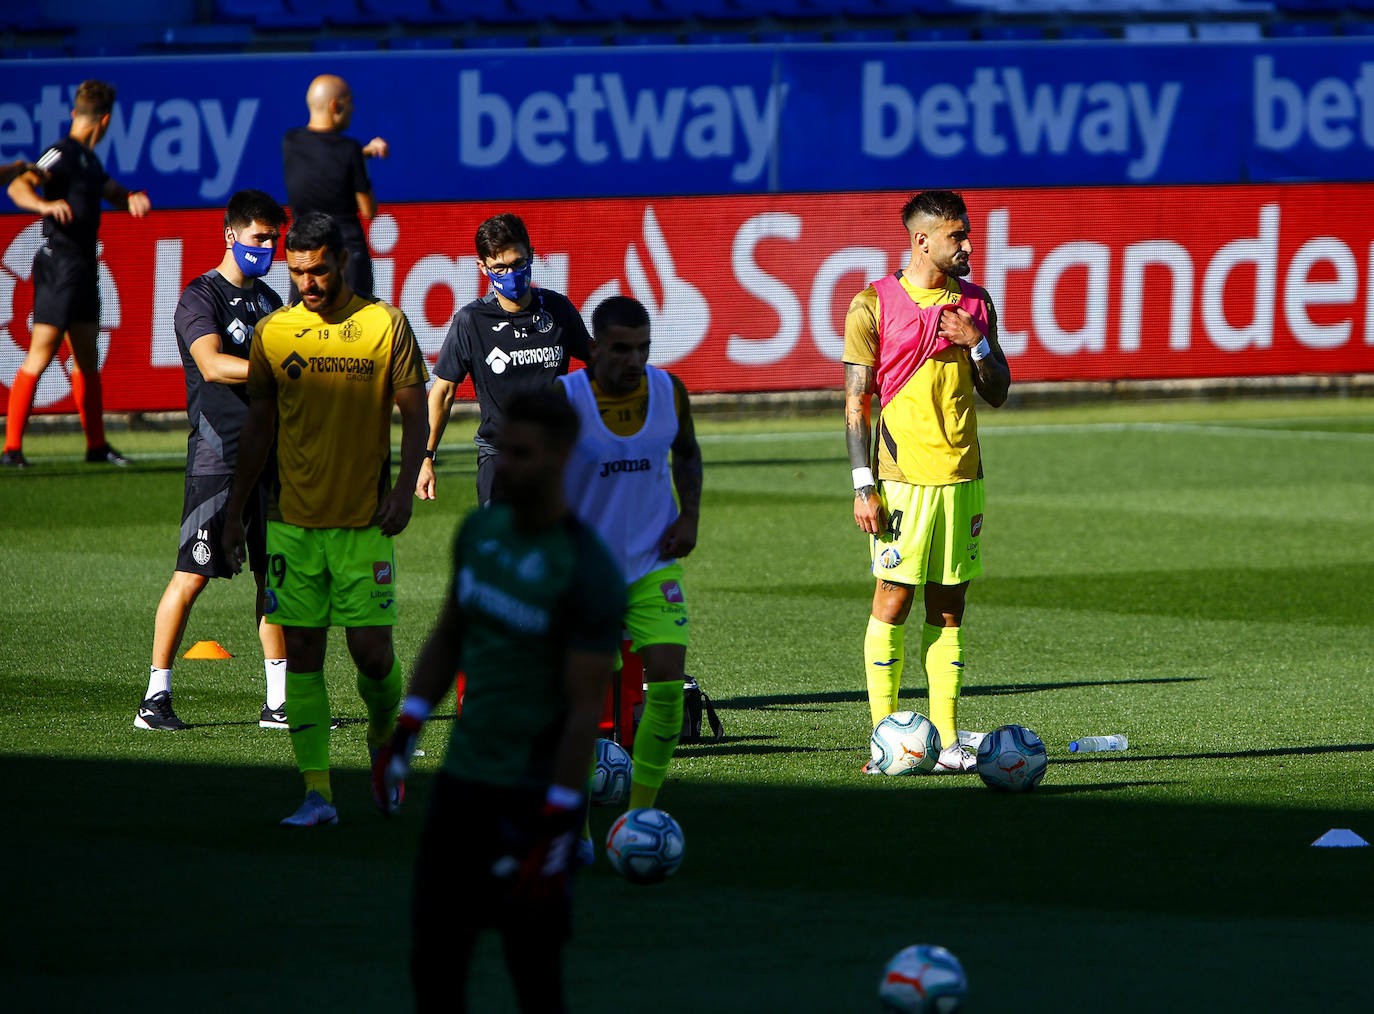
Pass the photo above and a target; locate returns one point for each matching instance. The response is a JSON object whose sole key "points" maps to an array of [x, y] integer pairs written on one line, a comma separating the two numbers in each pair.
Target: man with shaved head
{"points": [[326, 171], [924, 340]]}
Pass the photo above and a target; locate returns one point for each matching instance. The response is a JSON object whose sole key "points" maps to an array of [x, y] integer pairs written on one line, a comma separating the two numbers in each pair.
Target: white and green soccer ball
{"points": [[904, 743], [645, 846], [1012, 758], [923, 979], [611, 775]]}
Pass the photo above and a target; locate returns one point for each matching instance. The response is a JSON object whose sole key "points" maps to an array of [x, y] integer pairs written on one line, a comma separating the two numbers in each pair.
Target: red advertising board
{"points": [[749, 293]]}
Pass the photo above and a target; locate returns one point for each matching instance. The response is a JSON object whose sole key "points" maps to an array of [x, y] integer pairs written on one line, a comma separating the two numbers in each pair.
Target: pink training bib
{"points": [[908, 334]]}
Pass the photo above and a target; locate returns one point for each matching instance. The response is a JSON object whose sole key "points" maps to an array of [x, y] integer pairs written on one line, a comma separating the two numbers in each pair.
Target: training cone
{"points": [[1339, 838], [206, 649]]}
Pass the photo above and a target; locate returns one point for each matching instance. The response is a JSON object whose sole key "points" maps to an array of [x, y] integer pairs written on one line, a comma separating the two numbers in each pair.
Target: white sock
{"points": [[276, 682], [158, 681]]}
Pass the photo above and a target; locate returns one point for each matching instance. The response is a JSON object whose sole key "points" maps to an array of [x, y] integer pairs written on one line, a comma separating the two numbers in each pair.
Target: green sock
{"points": [[383, 700], [655, 740], [944, 676], [883, 658], [307, 713]]}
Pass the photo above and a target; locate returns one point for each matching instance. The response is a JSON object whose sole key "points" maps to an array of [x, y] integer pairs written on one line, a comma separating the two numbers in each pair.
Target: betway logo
{"points": [[1096, 118], [1336, 114], [170, 132], [598, 116]]}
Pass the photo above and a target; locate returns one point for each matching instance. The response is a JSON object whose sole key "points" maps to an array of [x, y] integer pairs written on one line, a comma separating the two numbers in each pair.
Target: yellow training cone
{"points": [[206, 649]]}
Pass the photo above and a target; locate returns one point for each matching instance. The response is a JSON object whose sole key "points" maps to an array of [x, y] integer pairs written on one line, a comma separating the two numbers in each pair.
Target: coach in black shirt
{"points": [[326, 171], [516, 338]]}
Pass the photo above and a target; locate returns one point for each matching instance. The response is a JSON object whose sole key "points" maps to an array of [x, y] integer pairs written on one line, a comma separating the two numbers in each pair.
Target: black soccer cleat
{"points": [[273, 718], [156, 714], [105, 455], [14, 459]]}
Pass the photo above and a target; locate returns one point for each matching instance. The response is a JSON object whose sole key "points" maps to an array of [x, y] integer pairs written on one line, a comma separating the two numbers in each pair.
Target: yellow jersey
{"points": [[334, 380]]}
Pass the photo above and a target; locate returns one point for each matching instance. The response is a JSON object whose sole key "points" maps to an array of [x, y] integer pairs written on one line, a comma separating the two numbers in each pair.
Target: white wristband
{"points": [[417, 708], [981, 351], [863, 477]]}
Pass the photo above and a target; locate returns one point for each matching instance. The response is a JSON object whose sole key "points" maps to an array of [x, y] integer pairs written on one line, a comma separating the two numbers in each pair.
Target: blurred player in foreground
{"points": [[214, 324], [924, 341], [326, 170], [323, 373], [518, 337], [635, 418], [533, 617], [66, 274]]}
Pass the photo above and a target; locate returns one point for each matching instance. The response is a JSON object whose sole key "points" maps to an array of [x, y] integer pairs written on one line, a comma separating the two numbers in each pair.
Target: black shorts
{"points": [[202, 527], [471, 826], [66, 288]]}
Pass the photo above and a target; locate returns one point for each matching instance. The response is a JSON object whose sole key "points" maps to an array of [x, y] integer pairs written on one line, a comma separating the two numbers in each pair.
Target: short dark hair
{"points": [[94, 99], [548, 409], [499, 232], [314, 230], [941, 205], [249, 206], [618, 311]]}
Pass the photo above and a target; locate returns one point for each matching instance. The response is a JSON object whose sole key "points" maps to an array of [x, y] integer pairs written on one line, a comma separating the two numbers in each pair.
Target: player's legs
{"points": [[43, 344], [885, 647], [86, 390], [656, 617], [379, 680], [486, 477], [362, 564], [943, 651], [169, 625], [358, 269], [270, 636]]}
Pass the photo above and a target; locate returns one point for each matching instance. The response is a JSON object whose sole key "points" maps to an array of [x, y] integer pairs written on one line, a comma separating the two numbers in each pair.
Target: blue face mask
{"points": [[253, 261], [513, 284]]}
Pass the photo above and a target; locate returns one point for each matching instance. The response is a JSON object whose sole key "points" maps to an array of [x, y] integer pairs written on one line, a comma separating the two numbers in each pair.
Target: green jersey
{"points": [[525, 599]]}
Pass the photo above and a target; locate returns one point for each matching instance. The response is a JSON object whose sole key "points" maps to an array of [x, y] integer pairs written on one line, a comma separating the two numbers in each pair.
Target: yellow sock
{"points": [[883, 655], [318, 781], [655, 740], [944, 676]]}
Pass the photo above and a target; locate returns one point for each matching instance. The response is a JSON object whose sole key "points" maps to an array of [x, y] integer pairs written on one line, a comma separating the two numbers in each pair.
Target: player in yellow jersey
{"points": [[324, 373], [924, 341]]}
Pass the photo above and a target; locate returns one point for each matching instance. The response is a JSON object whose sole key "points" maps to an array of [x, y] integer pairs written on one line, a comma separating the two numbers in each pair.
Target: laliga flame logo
{"points": [[681, 320], [16, 265]]}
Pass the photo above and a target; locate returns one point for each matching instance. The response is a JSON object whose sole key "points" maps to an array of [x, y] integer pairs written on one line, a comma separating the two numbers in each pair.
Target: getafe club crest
{"points": [[542, 322], [350, 331]]}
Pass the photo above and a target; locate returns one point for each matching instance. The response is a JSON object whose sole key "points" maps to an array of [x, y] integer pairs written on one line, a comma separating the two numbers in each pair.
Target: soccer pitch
{"points": [[1199, 576]]}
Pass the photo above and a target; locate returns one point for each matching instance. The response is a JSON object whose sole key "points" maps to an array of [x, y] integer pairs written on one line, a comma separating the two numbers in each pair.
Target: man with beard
{"points": [[924, 340]]}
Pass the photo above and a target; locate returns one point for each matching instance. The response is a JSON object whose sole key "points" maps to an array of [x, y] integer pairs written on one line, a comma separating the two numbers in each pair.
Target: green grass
{"points": [[1198, 576]]}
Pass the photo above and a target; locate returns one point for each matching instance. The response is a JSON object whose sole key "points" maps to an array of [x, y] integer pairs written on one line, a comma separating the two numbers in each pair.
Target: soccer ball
{"points": [[611, 777], [904, 743], [924, 979], [645, 846], [1012, 758]]}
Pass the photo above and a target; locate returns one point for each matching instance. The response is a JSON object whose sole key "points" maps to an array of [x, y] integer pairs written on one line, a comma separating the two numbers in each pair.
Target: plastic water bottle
{"points": [[1092, 744]]}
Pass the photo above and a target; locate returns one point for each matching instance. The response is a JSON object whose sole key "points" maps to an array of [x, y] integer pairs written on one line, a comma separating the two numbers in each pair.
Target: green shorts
{"points": [[322, 577], [933, 533], [656, 611]]}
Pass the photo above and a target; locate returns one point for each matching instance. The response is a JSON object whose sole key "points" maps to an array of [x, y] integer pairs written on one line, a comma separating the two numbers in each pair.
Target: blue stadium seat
{"points": [[644, 39], [47, 52], [411, 12], [1311, 6], [566, 40], [1357, 28], [939, 34], [496, 42], [343, 44], [731, 38], [414, 42], [723, 10], [247, 10], [199, 38], [864, 35], [784, 37], [1011, 33], [579, 12], [651, 11], [1084, 32], [492, 12], [99, 50], [1301, 29]]}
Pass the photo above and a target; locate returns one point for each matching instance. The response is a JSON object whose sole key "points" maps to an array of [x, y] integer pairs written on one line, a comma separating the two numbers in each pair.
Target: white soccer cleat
{"points": [[956, 760], [971, 739], [314, 810]]}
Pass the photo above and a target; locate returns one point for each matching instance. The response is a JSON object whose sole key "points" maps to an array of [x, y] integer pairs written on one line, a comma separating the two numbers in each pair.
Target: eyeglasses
{"points": [[505, 269]]}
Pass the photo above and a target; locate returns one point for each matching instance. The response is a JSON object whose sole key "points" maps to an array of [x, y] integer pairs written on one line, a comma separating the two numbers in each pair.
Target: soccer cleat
{"points": [[956, 760], [105, 455], [156, 714], [586, 852], [398, 787], [971, 739], [314, 810], [869, 768], [273, 718], [14, 459]]}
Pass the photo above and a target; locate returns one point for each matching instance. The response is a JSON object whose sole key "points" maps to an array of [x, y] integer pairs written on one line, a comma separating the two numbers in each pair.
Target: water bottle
{"points": [[1092, 744]]}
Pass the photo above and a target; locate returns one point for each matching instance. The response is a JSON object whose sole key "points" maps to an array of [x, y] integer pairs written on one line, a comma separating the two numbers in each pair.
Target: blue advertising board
{"points": [[594, 122]]}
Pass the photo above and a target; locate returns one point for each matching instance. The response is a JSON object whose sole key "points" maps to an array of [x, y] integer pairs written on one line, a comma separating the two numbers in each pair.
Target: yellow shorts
{"points": [[933, 533], [320, 577]]}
